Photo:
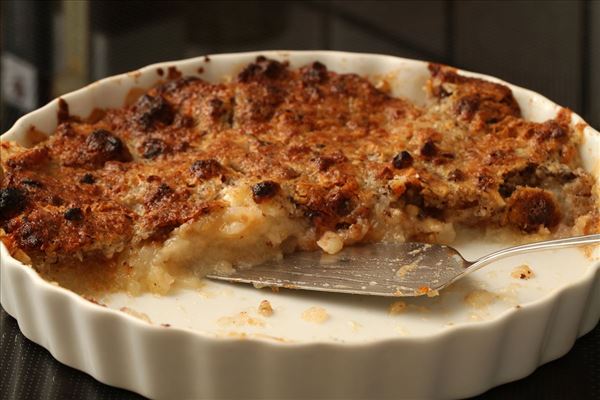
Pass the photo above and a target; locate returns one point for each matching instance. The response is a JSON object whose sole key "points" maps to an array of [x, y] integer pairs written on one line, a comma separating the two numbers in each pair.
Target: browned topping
{"points": [[206, 169], [485, 182], [32, 183], [175, 84], [263, 68], [325, 162], [264, 190], [315, 74], [456, 175], [402, 160], [334, 151], [162, 192]]}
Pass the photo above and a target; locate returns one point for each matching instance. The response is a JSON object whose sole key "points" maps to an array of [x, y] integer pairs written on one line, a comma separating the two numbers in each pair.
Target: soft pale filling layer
{"points": [[245, 234], [242, 235]]}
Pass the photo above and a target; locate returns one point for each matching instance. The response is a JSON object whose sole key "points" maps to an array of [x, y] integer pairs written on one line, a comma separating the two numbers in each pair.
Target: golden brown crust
{"points": [[331, 146]]}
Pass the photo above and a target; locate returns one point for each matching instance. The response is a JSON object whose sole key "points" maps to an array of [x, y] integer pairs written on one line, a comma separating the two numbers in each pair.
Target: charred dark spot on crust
{"points": [[264, 190], [342, 226], [340, 204], [160, 71], [56, 200], [217, 108], [153, 178], [154, 147], [519, 177], [73, 214], [87, 179], [566, 176], [106, 147], [549, 130], [152, 111], [531, 208], [32, 183], [176, 84], [262, 68], [429, 149], [63, 111], [163, 191], [456, 175], [323, 163], [173, 73], [206, 169], [315, 74], [12, 202], [413, 195], [431, 212], [402, 160]]}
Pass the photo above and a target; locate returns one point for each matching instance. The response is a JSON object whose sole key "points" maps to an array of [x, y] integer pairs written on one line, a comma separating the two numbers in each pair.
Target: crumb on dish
{"points": [[480, 298], [265, 309], [522, 272], [397, 307], [316, 315], [240, 319]]}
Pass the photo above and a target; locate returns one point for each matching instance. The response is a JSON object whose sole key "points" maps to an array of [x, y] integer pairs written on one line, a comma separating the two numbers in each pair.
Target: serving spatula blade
{"points": [[381, 269], [372, 269]]}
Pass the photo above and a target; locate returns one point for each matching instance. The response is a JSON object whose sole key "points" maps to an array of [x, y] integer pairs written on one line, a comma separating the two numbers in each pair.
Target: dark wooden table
{"points": [[30, 372]]}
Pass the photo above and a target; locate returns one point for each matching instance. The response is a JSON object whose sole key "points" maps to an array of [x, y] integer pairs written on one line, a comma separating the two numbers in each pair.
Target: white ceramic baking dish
{"points": [[485, 331]]}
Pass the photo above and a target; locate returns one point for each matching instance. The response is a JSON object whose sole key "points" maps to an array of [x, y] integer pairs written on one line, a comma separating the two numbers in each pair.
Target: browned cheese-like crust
{"points": [[330, 145]]}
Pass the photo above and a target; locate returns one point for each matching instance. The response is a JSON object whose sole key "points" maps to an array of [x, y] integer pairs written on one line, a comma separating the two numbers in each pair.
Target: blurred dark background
{"points": [[52, 47]]}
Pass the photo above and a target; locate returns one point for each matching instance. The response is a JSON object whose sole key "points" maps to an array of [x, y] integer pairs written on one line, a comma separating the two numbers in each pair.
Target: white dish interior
{"points": [[214, 310]]}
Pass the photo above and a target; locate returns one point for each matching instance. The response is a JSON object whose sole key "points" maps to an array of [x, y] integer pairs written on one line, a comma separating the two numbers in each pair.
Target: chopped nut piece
{"points": [[331, 242]]}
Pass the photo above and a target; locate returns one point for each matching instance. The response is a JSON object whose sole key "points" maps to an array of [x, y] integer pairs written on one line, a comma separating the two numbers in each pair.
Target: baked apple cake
{"points": [[195, 176]]}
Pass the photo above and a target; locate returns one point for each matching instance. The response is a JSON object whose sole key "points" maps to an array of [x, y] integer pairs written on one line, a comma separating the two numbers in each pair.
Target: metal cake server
{"points": [[381, 269]]}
